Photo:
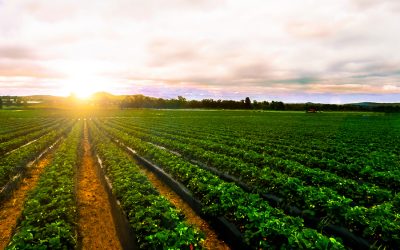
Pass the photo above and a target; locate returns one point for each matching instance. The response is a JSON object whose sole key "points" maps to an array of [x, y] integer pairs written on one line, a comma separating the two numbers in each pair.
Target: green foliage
{"points": [[261, 225], [157, 224], [25, 135], [318, 193], [341, 168], [17, 160], [327, 164], [48, 218]]}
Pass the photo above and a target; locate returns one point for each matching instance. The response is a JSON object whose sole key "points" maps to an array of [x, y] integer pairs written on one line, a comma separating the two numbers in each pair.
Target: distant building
{"points": [[311, 110]]}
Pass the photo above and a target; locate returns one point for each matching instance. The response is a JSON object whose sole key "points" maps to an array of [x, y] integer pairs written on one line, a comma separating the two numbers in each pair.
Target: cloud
{"points": [[203, 47], [27, 69], [16, 52], [164, 52], [312, 29], [368, 4]]}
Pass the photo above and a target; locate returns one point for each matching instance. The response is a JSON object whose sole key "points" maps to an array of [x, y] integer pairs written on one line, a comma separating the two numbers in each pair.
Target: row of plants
{"points": [[344, 138], [28, 136], [362, 169], [48, 218], [228, 160], [320, 202], [262, 226], [17, 160], [349, 139], [28, 126], [225, 129], [9, 124], [156, 222], [207, 151], [210, 132]]}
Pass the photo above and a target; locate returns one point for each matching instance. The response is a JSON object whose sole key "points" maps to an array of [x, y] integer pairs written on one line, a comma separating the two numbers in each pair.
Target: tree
{"points": [[247, 103], [1, 103], [181, 102], [277, 105]]}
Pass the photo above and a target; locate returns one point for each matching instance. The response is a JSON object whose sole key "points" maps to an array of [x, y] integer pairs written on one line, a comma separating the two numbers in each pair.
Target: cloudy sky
{"points": [[333, 51]]}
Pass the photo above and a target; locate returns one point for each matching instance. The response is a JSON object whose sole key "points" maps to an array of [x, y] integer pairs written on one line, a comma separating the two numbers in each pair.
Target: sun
{"points": [[82, 80], [85, 78], [81, 88]]}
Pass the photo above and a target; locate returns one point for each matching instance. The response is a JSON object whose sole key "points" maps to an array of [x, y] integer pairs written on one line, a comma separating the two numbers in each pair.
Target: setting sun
{"points": [[82, 80], [81, 88]]}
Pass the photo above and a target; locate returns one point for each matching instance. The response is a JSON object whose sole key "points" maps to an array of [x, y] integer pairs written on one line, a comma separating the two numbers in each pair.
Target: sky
{"points": [[331, 51]]}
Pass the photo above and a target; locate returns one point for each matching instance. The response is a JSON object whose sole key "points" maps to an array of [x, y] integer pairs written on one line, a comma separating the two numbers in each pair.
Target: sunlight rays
{"points": [[82, 80]]}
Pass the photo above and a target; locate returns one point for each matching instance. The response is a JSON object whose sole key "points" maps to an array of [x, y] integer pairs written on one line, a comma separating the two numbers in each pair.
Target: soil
{"points": [[11, 209], [96, 226], [211, 240]]}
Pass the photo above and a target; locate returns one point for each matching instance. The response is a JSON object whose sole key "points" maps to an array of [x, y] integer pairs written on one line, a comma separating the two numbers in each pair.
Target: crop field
{"points": [[185, 179]]}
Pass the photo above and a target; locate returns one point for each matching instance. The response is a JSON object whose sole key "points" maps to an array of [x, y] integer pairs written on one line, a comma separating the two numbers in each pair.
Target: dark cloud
{"points": [[16, 52], [384, 73], [366, 66], [302, 80]]}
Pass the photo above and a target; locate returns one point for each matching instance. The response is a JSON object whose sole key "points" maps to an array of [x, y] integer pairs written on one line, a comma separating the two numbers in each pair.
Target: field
{"points": [[185, 179]]}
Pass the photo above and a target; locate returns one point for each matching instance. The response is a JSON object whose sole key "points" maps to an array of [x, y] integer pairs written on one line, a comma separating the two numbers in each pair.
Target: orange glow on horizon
{"points": [[82, 80]]}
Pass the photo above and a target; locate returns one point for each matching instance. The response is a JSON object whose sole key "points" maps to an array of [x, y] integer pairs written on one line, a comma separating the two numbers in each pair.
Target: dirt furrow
{"points": [[211, 241], [11, 209], [96, 226]]}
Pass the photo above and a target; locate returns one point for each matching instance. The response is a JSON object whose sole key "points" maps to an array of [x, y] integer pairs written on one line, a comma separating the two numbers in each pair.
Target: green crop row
{"points": [[28, 136], [378, 223], [157, 224], [261, 225], [16, 161], [208, 151], [21, 128], [48, 218], [348, 139], [364, 167], [8, 125]]}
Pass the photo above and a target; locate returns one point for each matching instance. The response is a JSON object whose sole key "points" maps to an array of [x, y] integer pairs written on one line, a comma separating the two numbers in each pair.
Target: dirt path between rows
{"points": [[95, 222], [11, 209], [211, 240]]}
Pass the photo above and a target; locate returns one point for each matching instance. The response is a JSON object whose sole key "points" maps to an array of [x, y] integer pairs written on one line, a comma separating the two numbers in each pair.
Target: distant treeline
{"points": [[140, 101], [105, 100]]}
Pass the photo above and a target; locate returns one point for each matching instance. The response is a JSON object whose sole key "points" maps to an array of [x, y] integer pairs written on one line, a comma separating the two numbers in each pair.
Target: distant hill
{"points": [[102, 95], [374, 104], [43, 98]]}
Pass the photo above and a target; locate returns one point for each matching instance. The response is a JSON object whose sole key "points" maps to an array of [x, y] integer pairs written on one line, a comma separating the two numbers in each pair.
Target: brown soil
{"points": [[95, 224], [11, 209], [211, 241]]}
